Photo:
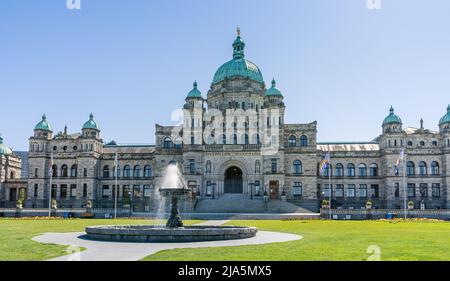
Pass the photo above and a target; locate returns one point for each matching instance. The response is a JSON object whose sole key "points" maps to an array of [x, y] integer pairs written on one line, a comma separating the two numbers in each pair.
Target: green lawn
{"points": [[16, 243], [332, 240]]}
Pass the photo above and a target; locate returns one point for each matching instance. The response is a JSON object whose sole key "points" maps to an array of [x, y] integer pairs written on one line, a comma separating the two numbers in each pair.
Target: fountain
{"points": [[174, 189]]}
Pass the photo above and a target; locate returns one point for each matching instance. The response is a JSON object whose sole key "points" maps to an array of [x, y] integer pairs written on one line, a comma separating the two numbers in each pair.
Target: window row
{"points": [[422, 190], [352, 191], [423, 168], [293, 141], [65, 191], [127, 172], [350, 170], [136, 191]]}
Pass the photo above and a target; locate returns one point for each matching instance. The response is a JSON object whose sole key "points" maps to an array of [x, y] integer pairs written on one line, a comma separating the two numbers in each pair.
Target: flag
{"points": [[325, 162], [397, 163]]}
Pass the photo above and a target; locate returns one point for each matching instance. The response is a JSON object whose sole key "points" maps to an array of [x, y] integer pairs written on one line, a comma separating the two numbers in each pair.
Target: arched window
{"points": [[339, 170], [328, 169], [362, 170], [422, 168], [245, 139], [410, 169], [11, 175], [256, 139], [106, 171], [147, 171], [374, 170], [208, 167], [137, 171], [303, 140], [64, 171], [257, 167], [74, 171], [297, 167], [126, 171], [54, 171], [292, 141], [350, 170], [234, 139], [167, 143], [434, 168], [223, 138]]}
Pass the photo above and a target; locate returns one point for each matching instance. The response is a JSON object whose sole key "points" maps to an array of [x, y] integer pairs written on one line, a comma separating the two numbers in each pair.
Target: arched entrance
{"points": [[233, 180]]}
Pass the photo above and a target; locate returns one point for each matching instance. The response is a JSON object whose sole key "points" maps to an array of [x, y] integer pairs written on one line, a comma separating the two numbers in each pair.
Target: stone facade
{"points": [[236, 141]]}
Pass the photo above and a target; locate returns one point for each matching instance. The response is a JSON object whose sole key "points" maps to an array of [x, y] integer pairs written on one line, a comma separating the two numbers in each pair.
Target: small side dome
{"points": [[392, 118], [446, 118], [194, 93], [43, 125], [273, 91], [4, 150], [91, 124]]}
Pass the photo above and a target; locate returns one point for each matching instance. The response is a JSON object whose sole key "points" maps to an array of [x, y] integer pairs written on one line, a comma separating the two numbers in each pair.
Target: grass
{"points": [[16, 243], [330, 241]]}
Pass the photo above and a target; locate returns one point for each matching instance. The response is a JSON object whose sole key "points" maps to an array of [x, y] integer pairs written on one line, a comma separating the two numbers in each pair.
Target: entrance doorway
{"points": [[233, 180], [274, 187]]}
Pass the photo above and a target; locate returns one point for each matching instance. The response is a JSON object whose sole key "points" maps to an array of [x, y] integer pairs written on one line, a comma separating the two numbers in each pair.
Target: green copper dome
{"points": [[446, 118], [194, 93], [392, 118], [90, 124], [4, 150], [238, 66], [43, 125], [273, 91]]}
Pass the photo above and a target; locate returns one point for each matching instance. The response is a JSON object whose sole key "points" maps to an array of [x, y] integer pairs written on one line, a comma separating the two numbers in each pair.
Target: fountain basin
{"points": [[150, 233]]}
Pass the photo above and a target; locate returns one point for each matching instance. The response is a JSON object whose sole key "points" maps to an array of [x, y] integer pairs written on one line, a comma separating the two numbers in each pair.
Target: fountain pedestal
{"points": [[174, 220]]}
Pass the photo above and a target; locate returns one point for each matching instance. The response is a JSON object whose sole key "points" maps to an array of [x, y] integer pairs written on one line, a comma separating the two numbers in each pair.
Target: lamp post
{"points": [[198, 190]]}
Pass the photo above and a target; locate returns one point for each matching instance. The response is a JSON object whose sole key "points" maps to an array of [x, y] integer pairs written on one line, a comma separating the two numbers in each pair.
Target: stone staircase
{"points": [[238, 203]]}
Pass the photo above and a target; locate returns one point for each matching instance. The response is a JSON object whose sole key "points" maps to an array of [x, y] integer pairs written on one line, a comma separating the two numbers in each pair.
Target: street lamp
{"points": [[198, 190]]}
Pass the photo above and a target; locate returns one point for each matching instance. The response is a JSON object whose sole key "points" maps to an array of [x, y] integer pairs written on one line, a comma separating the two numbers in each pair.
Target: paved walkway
{"points": [[127, 251]]}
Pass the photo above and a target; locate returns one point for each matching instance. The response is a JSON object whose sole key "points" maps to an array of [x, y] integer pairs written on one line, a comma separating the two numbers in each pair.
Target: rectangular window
{"points": [[297, 189], [257, 188], [85, 189], [339, 192], [396, 190], [423, 189], [147, 191], [36, 189], [115, 193], [436, 190], [136, 191], [63, 193], [73, 190], [411, 190], [274, 166], [126, 192], [85, 172], [54, 190], [374, 190], [208, 188], [327, 190], [363, 190], [192, 166], [105, 191], [351, 190]]}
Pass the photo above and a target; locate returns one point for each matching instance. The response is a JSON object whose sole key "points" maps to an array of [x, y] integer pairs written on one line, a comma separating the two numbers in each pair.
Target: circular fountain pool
{"points": [[149, 233]]}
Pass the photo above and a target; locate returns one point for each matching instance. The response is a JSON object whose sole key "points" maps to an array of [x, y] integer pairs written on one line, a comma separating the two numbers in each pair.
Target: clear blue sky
{"points": [[131, 63]]}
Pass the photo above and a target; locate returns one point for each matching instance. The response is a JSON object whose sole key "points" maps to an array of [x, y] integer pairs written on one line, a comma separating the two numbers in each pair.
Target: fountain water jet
{"points": [[174, 188]]}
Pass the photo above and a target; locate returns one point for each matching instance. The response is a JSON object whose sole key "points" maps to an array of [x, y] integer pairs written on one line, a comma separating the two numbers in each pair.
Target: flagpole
{"points": [[404, 188], [116, 189], [50, 187], [329, 186]]}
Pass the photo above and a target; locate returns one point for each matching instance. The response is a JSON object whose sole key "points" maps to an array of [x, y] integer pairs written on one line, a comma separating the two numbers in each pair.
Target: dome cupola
{"points": [[392, 118], [446, 118], [43, 125], [91, 124], [4, 150], [273, 91], [194, 93], [238, 66]]}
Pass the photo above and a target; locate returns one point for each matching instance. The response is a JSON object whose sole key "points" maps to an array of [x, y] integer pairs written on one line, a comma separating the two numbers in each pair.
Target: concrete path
{"points": [[127, 251], [213, 222]]}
